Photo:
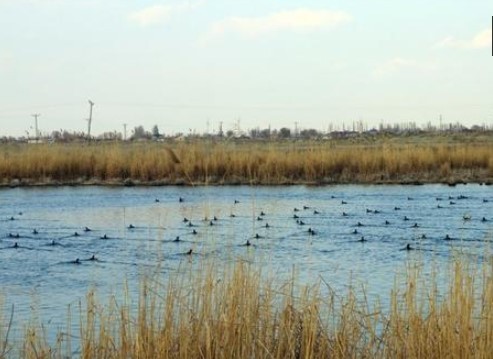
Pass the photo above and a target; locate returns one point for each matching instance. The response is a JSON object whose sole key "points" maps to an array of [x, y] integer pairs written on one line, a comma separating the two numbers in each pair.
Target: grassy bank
{"points": [[207, 162], [243, 314]]}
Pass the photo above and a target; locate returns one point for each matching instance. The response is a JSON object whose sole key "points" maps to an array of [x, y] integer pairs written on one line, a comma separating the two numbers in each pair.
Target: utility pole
{"points": [[89, 121], [124, 132], [36, 131]]}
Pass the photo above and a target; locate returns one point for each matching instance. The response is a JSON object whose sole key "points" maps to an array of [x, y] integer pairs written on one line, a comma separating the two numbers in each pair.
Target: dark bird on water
{"points": [[131, 226], [87, 229], [177, 239], [180, 199]]}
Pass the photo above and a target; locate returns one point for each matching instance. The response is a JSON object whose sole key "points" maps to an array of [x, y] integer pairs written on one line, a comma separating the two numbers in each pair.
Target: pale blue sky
{"points": [[181, 64]]}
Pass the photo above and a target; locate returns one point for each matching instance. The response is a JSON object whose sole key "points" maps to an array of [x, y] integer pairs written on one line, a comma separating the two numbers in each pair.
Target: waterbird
{"points": [[190, 224], [387, 222], [362, 239], [344, 214], [316, 212], [355, 231], [408, 247], [248, 244], [438, 206], [447, 237], [177, 239], [189, 252], [131, 226], [452, 202], [236, 201], [20, 213], [87, 229], [306, 207], [483, 219], [16, 245], [262, 213], [415, 225], [295, 216], [185, 220], [267, 225], [77, 261], [257, 236], [301, 223], [211, 223], [343, 202], [93, 258], [156, 200], [406, 218], [295, 209], [194, 232], [423, 236], [214, 218], [104, 236], [53, 243], [35, 231], [360, 224], [180, 199], [232, 215], [397, 208], [76, 234], [466, 217], [311, 231], [12, 218], [259, 218], [485, 200]]}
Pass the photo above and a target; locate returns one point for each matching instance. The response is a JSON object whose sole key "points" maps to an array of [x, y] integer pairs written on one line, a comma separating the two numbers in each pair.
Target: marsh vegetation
{"points": [[397, 160]]}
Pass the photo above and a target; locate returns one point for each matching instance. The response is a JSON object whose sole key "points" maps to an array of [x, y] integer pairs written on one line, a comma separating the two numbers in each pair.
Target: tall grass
{"points": [[243, 314], [233, 163]]}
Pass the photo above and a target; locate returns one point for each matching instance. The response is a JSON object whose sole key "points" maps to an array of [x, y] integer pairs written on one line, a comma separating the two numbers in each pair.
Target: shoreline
{"points": [[30, 183]]}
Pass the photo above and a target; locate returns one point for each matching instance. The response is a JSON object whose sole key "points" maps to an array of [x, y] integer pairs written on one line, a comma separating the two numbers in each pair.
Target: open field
{"points": [[239, 312], [436, 159]]}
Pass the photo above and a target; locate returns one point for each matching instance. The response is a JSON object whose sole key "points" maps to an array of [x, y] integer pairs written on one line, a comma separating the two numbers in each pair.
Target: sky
{"points": [[191, 65]]}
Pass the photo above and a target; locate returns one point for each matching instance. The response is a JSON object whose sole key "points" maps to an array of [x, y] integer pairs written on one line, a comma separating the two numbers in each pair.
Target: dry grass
{"points": [[242, 314], [206, 162]]}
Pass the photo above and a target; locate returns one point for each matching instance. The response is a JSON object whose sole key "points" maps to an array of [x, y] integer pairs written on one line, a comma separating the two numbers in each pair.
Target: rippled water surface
{"points": [[39, 244]]}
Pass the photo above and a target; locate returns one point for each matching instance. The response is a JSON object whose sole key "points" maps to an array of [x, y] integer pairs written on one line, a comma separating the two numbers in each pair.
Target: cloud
{"points": [[478, 41], [290, 20], [156, 14], [398, 64]]}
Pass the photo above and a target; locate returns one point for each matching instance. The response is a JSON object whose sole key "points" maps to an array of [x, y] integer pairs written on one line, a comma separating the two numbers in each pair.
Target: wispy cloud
{"points": [[290, 20], [478, 41], [399, 64], [156, 14]]}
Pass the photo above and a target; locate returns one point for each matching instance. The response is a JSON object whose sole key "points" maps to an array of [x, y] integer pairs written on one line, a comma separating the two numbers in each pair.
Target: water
{"points": [[41, 279]]}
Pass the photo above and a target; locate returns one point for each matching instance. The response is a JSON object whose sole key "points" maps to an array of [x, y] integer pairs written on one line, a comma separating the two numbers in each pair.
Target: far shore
{"points": [[414, 160]]}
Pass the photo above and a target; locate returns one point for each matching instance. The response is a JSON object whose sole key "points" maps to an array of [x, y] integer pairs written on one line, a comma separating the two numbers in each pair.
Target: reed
{"points": [[239, 312], [206, 162]]}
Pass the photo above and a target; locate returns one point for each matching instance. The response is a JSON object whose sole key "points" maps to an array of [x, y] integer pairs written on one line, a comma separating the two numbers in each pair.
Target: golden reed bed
{"points": [[244, 314], [270, 163]]}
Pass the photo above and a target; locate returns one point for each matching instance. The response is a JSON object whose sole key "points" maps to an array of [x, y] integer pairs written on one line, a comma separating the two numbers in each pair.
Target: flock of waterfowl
{"points": [[320, 222]]}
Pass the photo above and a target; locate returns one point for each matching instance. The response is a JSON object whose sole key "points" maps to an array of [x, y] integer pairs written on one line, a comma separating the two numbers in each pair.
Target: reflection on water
{"points": [[339, 233]]}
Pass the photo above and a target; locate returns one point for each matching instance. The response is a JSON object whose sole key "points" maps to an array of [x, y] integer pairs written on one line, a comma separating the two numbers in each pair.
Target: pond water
{"points": [[39, 245]]}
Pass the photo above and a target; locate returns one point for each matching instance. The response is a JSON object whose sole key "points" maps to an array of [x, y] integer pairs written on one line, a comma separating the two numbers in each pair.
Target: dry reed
{"points": [[242, 314], [205, 162]]}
